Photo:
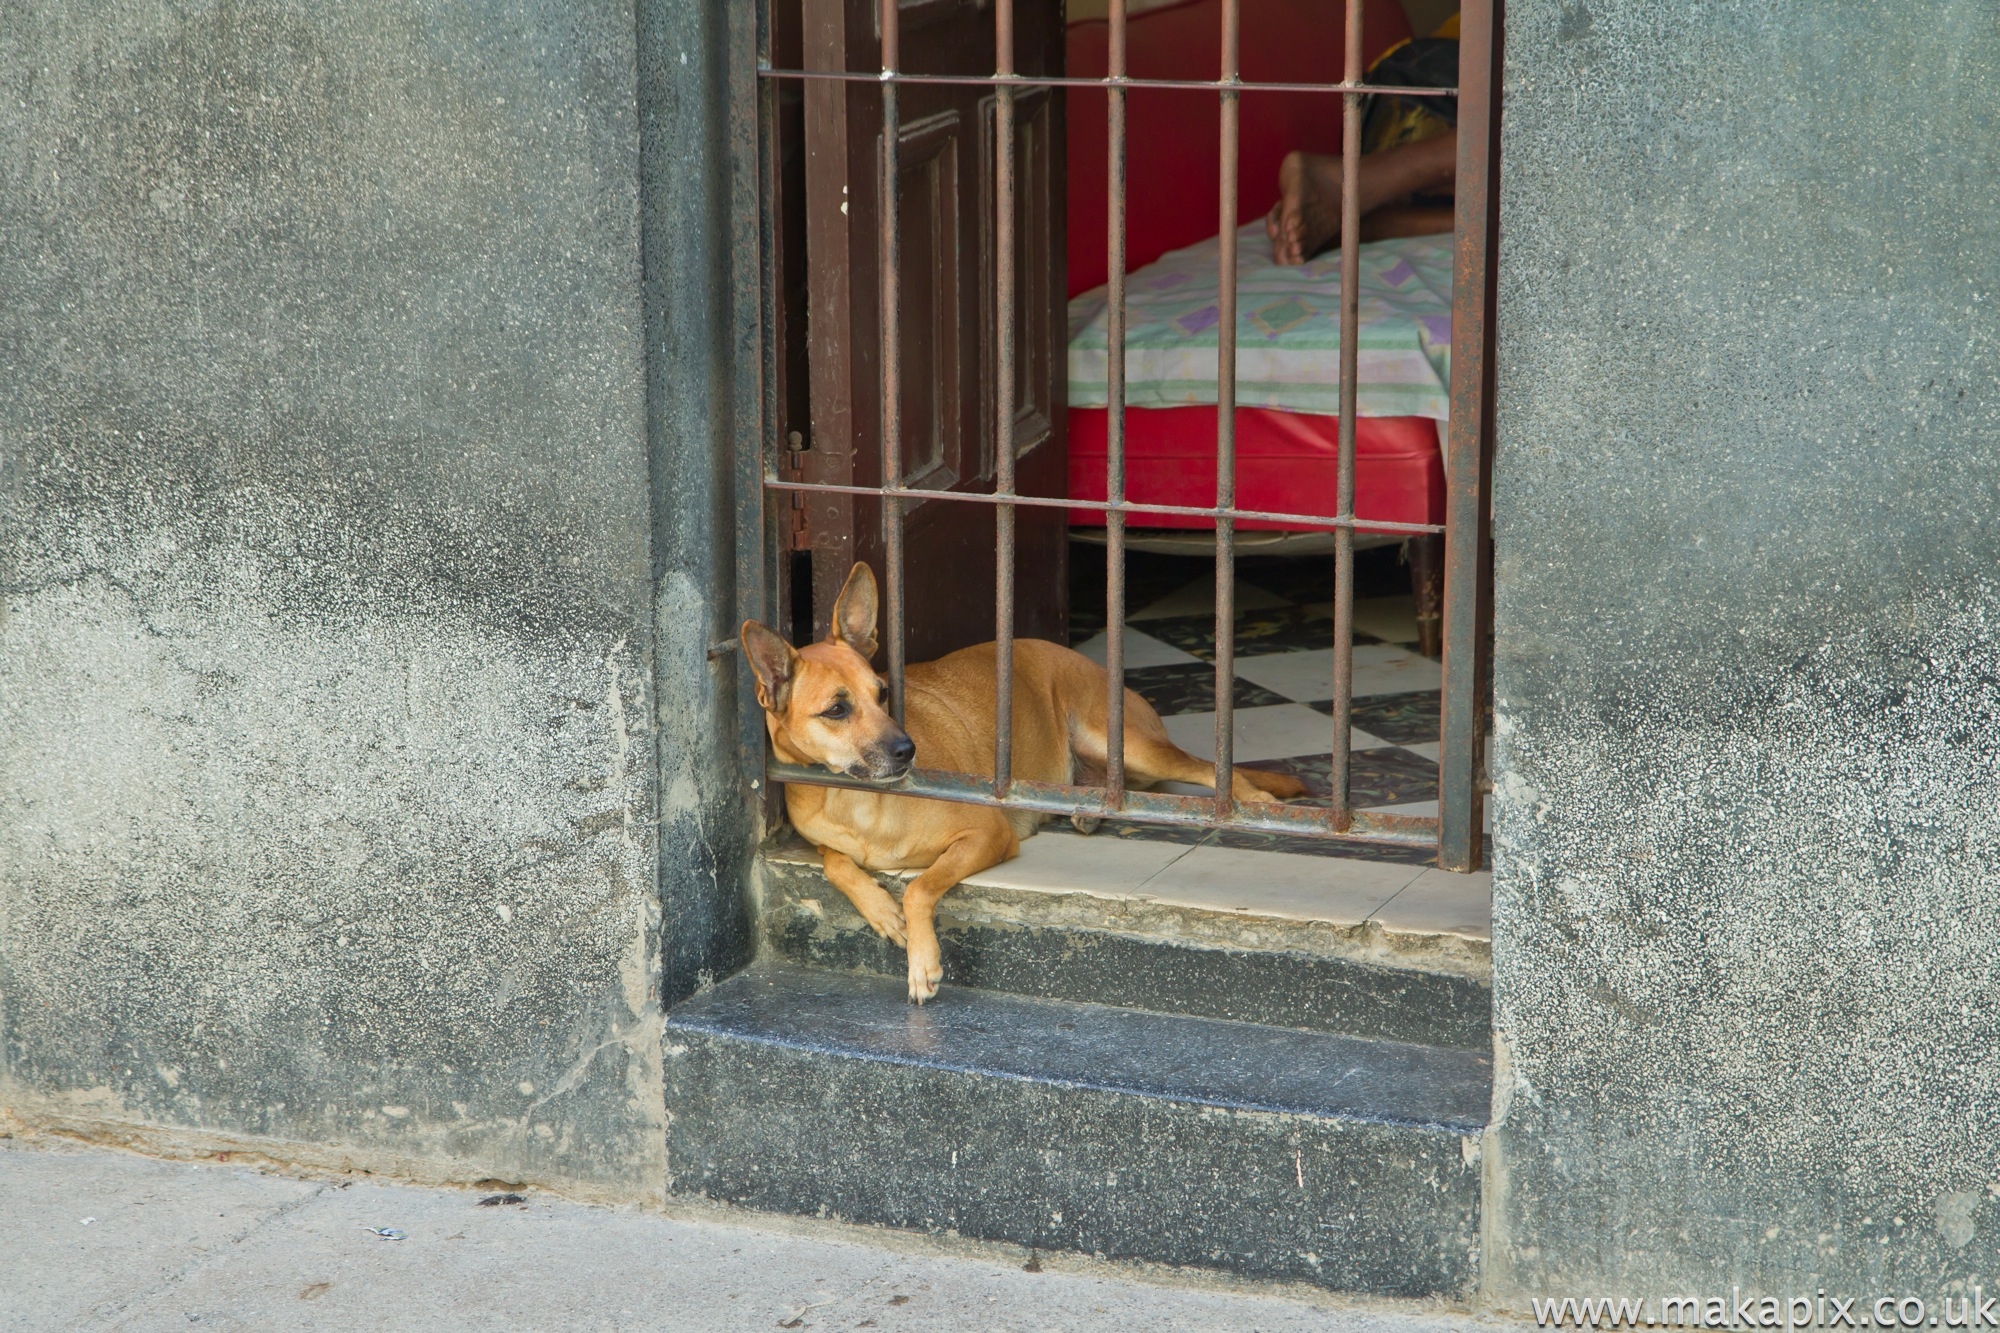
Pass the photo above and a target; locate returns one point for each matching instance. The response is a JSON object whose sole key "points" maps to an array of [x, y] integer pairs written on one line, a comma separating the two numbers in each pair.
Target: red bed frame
{"points": [[1286, 462]]}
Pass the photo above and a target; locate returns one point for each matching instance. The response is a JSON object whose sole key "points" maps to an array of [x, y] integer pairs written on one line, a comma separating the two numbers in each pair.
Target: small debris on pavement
{"points": [[1034, 1264], [899, 1300], [88, 1220], [495, 1200], [387, 1233]]}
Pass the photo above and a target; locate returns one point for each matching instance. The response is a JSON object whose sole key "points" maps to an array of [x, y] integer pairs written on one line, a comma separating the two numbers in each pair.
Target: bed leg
{"points": [[1426, 557]]}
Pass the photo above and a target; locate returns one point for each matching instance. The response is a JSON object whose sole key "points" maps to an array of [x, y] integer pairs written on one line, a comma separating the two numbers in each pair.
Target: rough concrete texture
{"points": [[215, 1247], [325, 646], [1745, 508]]}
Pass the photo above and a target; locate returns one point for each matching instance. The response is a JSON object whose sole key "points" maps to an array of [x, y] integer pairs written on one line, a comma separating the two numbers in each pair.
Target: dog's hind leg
{"points": [[868, 896], [1151, 757], [1281, 785], [971, 850]]}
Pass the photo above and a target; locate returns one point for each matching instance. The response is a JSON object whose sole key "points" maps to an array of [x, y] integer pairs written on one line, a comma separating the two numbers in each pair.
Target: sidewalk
{"points": [[104, 1240]]}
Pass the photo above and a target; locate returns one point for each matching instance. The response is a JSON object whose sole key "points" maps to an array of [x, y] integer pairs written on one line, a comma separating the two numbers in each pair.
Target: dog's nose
{"points": [[902, 749]]}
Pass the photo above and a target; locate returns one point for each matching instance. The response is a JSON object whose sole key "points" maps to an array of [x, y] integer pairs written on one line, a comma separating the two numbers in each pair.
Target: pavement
{"points": [[95, 1239]]}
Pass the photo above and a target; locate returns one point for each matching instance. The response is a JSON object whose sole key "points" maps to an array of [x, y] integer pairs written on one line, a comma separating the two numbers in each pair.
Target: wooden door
{"points": [[945, 224]]}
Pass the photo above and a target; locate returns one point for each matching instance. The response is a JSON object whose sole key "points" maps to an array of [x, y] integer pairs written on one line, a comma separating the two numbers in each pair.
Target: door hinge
{"points": [[801, 537]]}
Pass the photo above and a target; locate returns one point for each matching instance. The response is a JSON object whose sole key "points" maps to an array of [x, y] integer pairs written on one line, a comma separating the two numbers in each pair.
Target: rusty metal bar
{"points": [[1128, 507], [888, 218], [1003, 396], [1341, 766], [772, 598], [1144, 807], [1114, 441], [1469, 458], [1054, 81], [1225, 427]]}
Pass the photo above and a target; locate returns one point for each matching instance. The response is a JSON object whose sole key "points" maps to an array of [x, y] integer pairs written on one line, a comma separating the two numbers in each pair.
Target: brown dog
{"points": [[825, 705]]}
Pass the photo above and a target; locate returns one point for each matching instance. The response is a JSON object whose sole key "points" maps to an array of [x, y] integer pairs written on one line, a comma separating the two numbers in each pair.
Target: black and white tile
{"points": [[1283, 677], [1281, 691]]}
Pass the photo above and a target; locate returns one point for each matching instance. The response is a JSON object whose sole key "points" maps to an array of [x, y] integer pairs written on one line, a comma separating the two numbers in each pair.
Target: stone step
{"points": [[1055, 925], [1267, 1152]]}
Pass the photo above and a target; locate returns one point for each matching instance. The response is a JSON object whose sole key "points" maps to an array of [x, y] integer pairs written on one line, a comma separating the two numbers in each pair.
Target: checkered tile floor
{"points": [[1284, 666]]}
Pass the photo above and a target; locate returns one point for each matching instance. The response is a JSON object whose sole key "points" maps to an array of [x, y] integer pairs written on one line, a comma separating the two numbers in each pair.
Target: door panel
{"points": [[1038, 315], [936, 437], [945, 230]]}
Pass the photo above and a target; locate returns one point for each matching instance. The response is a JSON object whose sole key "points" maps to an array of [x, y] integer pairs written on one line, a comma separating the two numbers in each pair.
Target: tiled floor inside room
{"points": [[1284, 666]]}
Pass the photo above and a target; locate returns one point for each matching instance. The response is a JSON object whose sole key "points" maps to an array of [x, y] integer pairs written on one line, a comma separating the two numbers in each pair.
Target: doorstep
{"points": [[1376, 949], [1321, 897]]}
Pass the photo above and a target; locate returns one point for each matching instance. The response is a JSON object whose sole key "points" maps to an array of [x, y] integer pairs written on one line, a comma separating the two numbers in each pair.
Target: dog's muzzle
{"points": [[887, 761]]}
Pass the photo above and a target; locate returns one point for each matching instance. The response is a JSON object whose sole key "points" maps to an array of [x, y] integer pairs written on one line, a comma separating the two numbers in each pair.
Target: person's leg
{"points": [[1408, 220], [1306, 218]]}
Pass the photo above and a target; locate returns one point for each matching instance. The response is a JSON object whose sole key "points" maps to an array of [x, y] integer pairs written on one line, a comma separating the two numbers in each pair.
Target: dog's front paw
{"points": [[926, 971], [887, 919]]}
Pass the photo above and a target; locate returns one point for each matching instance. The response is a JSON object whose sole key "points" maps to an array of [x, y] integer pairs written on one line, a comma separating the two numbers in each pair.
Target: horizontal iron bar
{"points": [[1055, 81], [1126, 507], [1050, 798]]}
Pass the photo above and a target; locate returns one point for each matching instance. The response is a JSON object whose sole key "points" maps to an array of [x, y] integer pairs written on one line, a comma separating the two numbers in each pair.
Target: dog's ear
{"points": [[775, 663], [854, 612]]}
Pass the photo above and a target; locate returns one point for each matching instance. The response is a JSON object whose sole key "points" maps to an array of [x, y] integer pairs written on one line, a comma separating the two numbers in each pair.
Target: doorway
{"points": [[957, 414]]}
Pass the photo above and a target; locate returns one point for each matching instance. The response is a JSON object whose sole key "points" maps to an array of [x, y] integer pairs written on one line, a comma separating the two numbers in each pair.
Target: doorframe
{"points": [[1468, 612], [697, 198]]}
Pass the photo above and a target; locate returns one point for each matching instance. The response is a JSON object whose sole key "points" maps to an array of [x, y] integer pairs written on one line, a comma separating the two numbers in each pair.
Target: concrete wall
{"points": [[1748, 807], [326, 657]]}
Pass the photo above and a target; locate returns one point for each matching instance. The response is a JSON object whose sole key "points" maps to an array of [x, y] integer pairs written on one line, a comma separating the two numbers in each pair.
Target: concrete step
{"points": [[1263, 1151], [1061, 924]]}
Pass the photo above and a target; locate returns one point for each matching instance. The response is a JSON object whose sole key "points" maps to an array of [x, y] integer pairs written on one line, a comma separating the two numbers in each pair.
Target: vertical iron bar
{"points": [[1003, 396], [772, 540], [1342, 812], [1468, 460], [891, 264], [1225, 430], [1114, 400]]}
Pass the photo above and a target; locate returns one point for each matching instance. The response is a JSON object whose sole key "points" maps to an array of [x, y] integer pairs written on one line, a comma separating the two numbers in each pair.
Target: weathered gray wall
{"points": [[1748, 821], [326, 741]]}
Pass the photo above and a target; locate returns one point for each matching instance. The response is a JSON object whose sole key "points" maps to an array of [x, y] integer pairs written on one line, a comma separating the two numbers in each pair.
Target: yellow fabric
{"points": [[1407, 121], [1386, 54], [1448, 28]]}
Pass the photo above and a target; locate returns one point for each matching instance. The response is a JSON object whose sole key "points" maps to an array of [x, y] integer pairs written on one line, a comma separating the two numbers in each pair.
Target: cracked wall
{"points": [[325, 652], [1747, 758]]}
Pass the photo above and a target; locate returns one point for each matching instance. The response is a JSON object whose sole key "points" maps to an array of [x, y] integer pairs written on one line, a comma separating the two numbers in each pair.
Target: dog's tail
{"points": [[1281, 785]]}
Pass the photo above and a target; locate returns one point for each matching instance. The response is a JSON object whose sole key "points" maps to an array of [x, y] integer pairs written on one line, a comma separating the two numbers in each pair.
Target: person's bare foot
{"points": [[1306, 218]]}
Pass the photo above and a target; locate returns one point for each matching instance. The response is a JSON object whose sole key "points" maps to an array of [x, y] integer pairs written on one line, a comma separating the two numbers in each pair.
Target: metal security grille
{"points": [[1456, 831]]}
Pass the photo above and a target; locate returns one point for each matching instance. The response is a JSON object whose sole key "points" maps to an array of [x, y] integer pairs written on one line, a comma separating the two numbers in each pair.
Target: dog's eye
{"points": [[836, 711], [882, 695]]}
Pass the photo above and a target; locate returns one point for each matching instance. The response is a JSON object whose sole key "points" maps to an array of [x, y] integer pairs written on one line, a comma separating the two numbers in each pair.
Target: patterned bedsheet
{"points": [[1288, 330]]}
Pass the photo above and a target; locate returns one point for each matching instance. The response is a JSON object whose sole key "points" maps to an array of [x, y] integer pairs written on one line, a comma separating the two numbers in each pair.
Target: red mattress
{"points": [[1286, 462]]}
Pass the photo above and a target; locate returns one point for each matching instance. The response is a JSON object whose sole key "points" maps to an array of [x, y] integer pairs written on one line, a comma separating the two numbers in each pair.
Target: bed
{"points": [[1287, 423]]}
